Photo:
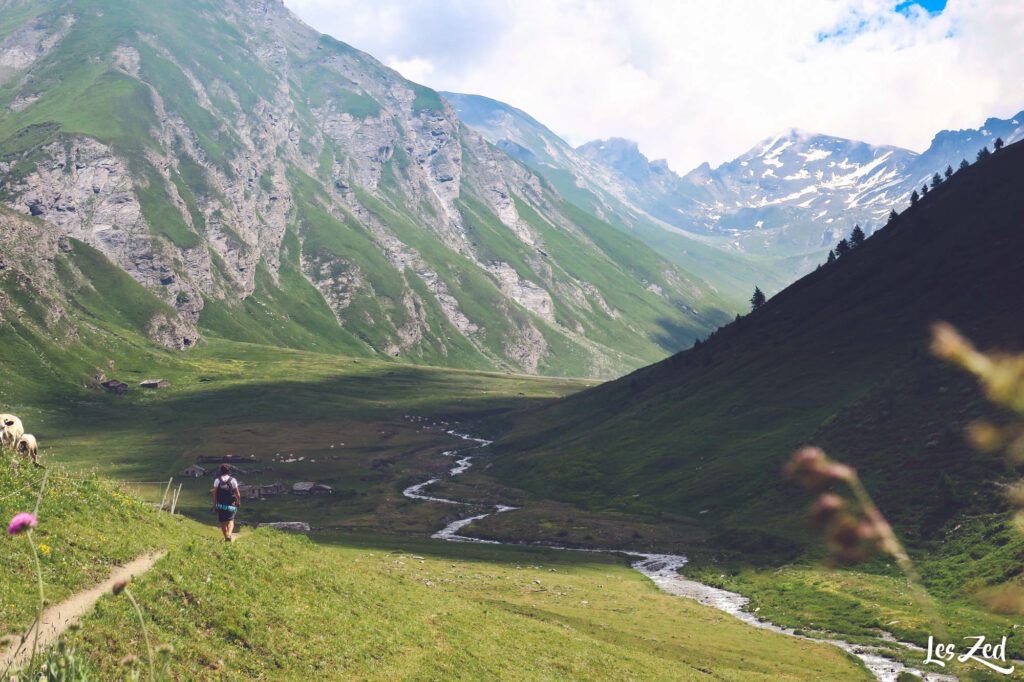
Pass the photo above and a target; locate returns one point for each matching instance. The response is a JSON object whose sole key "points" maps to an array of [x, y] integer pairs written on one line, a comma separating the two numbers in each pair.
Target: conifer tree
{"points": [[964, 164], [983, 153], [998, 144], [856, 237], [843, 247], [831, 256], [924, 190], [936, 180], [757, 300], [949, 172], [893, 215], [914, 196]]}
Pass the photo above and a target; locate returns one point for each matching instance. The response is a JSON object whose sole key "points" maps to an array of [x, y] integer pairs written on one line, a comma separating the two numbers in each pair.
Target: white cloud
{"points": [[705, 79]]}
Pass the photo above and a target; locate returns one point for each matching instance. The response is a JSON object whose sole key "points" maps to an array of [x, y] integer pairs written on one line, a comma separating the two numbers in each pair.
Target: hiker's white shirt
{"points": [[230, 479]]}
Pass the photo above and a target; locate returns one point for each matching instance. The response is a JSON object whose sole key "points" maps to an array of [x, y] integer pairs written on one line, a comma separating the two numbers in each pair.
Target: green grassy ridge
{"points": [[87, 525], [837, 358], [595, 263], [375, 608]]}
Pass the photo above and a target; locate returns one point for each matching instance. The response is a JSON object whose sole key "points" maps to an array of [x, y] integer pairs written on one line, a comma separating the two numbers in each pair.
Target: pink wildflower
{"points": [[20, 522]]}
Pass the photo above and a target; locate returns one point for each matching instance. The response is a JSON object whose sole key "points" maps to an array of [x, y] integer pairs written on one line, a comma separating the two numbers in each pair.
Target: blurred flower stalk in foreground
{"points": [[855, 529], [1001, 375]]}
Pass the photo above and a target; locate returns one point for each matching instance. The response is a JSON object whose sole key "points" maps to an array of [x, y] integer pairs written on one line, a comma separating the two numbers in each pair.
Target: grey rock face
{"points": [[87, 192], [30, 42]]}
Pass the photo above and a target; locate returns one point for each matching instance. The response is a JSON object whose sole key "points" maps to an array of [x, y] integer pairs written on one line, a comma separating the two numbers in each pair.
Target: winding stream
{"points": [[663, 570]]}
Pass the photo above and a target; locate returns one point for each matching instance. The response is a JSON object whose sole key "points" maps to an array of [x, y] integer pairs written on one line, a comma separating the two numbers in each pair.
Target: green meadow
{"points": [[366, 597]]}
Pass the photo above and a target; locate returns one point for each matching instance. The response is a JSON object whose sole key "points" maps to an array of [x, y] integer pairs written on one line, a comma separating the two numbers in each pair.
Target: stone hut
{"points": [[193, 471], [258, 492], [311, 488], [115, 386]]}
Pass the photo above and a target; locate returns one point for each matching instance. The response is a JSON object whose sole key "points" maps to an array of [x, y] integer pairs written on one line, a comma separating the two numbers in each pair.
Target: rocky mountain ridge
{"points": [[790, 196], [609, 195], [272, 184]]}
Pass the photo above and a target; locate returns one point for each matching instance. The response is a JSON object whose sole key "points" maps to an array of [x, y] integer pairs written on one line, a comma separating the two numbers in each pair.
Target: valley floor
{"points": [[366, 596]]}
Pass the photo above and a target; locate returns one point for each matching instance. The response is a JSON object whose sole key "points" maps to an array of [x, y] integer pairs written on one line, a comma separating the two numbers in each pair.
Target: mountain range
{"points": [[789, 198], [267, 183], [263, 182]]}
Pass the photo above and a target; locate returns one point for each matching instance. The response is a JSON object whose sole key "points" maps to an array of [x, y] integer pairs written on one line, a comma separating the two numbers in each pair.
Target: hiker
{"points": [[226, 500]]}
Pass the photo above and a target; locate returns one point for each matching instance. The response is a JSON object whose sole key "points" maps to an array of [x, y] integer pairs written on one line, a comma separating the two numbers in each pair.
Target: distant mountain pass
{"points": [[789, 198]]}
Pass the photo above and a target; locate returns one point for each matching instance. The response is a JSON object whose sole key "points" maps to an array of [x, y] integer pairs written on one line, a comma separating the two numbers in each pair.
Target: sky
{"points": [[705, 80]]}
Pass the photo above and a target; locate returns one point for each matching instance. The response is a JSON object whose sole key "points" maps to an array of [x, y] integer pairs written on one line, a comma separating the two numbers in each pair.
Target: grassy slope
{"points": [[87, 524], [278, 607], [368, 608]]}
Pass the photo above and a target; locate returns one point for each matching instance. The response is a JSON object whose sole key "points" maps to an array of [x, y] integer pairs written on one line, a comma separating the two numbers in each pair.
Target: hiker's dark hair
{"points": [[225, 468]]}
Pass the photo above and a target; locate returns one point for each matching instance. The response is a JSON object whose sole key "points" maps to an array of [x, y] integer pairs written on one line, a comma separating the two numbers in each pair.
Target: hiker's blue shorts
{"points": [[226, 513]]}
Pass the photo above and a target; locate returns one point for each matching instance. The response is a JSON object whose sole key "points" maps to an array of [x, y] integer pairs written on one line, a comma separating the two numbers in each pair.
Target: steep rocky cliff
{"points": [[271, 184]]}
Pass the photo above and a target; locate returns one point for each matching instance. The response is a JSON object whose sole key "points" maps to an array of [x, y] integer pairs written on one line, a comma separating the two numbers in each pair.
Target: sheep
{"points": [[11, 430], [27, 445]]}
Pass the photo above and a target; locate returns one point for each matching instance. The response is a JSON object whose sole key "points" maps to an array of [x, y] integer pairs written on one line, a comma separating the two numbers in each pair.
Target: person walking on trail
{"points": [[226, 500]]}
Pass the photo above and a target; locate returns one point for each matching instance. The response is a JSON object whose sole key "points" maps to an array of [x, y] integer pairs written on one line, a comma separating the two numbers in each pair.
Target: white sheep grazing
{"points": [[27, 445], [11, 430]]}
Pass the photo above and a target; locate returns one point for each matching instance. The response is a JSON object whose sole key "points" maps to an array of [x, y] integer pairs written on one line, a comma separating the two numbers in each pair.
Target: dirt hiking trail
{"points": [[57, 618]]}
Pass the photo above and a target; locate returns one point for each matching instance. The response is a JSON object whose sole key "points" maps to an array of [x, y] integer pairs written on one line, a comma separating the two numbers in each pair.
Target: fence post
{"points": [[174, 502], [164, 498]]}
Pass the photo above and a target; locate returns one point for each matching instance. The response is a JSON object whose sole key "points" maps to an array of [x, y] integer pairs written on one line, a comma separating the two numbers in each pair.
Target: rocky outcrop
{"points": [[522, 291], [30, 42]]}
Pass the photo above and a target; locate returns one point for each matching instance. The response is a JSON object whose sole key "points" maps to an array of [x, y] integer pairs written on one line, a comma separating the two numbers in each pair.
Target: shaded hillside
{"points": [[839, 359], [270, 184]]}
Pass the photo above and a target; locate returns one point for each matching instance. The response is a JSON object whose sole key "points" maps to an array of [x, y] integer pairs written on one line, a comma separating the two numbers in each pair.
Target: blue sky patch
{"points": [[932, 6], [848, 32]]}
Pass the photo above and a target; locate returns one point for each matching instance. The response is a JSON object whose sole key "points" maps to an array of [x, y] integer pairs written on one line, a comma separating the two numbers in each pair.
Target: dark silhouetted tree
{"points": [[998, 144], [949, 172], [757, 300], [893, 215], [914, 196], [936, 180], [984, 153], [831, 256], [842, 248], [963, 164], [924, 190], [856, 237]]}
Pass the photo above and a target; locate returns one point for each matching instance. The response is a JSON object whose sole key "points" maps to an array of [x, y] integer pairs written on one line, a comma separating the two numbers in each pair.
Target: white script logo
{"points": [[981, 652]]}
